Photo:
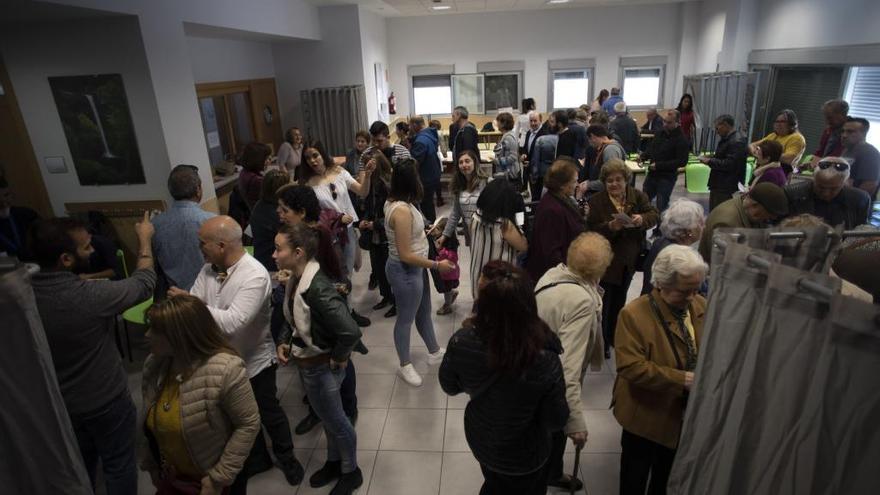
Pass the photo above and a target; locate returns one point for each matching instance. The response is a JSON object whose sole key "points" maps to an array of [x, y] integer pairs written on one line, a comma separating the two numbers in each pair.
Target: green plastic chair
{"points": [[697, 176], [120, 256], [137, 313], [249, 249], [750, 169]]}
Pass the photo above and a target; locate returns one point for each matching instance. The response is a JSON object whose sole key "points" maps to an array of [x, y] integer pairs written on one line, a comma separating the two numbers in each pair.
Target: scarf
{"points": [[300, 316]]}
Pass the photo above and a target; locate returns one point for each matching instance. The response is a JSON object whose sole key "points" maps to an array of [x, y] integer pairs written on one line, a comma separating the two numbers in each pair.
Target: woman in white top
{"points": [[407, 267], [495, 228], [290, 152], [331, 183]]}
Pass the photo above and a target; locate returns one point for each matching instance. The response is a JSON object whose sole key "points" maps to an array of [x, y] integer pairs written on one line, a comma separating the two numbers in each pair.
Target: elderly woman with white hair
{"points": [[682, 223], [658, 336]]}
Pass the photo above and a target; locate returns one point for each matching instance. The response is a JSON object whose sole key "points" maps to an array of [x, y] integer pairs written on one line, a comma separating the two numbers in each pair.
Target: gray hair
{"points": [[676, 260], [682, 216], [837, 106], [462, 111], [620, 107], [791, 117], [184, 182], [726, 119], [615, 91], [675, 113], [534, 113], [832, 173]]}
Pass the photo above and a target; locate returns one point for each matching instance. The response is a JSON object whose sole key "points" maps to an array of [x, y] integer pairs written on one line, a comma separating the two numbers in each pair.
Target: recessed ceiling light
{"points": [[447, 7], [559, 1]]}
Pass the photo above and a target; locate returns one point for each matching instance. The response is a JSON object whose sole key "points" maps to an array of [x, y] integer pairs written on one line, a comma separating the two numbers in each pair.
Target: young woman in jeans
{"points": [[407, 267], [323, 337]]}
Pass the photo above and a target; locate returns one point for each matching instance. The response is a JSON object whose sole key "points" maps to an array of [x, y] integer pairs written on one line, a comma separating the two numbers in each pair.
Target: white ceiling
{"points": [[404, 8]]}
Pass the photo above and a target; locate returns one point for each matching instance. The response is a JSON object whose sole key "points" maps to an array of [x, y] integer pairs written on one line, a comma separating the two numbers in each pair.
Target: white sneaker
{"points": [[436, 357], [410, 375]]}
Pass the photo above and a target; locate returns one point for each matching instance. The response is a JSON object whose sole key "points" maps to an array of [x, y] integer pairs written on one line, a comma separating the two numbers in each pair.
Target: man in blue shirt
{"points": [[615, 97], [176, 243]]}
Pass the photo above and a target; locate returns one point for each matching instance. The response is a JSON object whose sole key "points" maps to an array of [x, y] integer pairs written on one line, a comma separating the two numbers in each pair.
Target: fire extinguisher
{"points": [[392, 104]]}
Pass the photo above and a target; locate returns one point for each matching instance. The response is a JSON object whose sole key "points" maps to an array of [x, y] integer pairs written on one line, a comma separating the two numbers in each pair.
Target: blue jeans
{"points": [[108, 434], [349, 251], [661, 188], [412, 293], [322, 387]]}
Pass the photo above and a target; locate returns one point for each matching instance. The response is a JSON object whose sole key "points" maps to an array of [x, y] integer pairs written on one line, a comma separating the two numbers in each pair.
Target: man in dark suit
{"points": [[729, 163], [535, 131], [462, 134]]}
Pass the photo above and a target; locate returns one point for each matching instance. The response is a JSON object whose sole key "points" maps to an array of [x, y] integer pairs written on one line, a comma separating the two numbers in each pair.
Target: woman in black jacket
{"points": [[372, 227], [323, 337], [507, 360]]}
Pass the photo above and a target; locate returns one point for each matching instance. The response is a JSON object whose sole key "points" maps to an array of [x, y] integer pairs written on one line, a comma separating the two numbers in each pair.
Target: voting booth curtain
{"points": [[334, 115], [785, 398], [39, 451], [717, 94]]}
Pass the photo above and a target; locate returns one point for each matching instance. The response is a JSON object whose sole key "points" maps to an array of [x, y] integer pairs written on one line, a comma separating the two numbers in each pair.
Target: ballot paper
{"points": [[625, 219]]}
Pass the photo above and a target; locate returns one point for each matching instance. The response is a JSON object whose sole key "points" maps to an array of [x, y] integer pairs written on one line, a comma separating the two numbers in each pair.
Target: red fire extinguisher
{"points": [[392, 104]]}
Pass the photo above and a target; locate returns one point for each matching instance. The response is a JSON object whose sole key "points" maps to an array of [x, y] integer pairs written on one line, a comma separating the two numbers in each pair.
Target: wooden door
{"points": [[20, 166]]}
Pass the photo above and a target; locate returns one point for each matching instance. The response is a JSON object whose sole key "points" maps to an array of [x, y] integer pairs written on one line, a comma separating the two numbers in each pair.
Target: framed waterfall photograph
{"points": [[97, 124]]}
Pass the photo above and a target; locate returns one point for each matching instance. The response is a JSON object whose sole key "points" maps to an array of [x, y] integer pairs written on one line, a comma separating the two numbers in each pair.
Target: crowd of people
{"points": [[549, 288]]}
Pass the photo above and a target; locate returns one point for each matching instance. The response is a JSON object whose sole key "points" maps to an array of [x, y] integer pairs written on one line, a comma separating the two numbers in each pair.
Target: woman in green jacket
{"points": [[323, 337]]}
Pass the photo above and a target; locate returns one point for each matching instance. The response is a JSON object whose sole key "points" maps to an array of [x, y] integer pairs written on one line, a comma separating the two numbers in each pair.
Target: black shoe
{"points": [[373, 283], [391, 312], [348, 483], [385, 302], [568, 484], [362, 321], [292, 470], [253, 469], [307, 424], [330, 471]]}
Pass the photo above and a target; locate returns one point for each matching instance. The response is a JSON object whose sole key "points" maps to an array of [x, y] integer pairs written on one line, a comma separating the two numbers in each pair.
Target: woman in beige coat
{"points": [[570, 302], [200, 416]]}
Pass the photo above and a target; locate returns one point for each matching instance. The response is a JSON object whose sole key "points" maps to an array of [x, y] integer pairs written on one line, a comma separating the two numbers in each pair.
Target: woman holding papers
{"points": [[622, 214]]}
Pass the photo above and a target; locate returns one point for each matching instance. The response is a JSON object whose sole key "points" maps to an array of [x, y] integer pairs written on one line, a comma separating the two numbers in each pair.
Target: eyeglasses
{"points": [[333, 190], [839, 166]]}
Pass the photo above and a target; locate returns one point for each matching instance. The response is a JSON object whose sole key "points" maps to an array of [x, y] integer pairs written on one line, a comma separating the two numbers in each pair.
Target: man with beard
{"points": [[77, 316]]}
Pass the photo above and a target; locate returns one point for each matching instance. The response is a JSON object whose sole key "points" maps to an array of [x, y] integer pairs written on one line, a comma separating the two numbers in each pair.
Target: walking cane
{"points": [[574, 474]]}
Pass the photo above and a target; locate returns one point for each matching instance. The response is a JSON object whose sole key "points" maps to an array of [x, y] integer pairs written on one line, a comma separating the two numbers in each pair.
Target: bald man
{"points": [[237, 289]]}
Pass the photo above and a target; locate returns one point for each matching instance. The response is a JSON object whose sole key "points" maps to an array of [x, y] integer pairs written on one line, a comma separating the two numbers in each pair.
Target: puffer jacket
{"points": [[508, 420], [219, 414], [424, 151], [507, 156], [572, 308]]}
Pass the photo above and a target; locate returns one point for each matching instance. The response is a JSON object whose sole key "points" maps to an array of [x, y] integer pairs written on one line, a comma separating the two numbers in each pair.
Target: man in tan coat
{"points": [[658, 337], [570, 302]]}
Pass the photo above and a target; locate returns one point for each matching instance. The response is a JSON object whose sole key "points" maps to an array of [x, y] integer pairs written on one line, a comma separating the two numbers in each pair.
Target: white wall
{"points": [[216, 59], [603, 33], [817, 23], [710, 26], [35, 52], [334, 61], [374, 46]]}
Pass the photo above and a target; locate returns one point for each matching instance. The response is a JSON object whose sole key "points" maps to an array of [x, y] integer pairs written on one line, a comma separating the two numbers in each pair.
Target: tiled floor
{"points": [[411, 440]]}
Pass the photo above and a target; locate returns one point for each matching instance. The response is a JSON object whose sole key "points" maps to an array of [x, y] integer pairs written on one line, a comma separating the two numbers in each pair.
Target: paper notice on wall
{"points": [[213, 139]]}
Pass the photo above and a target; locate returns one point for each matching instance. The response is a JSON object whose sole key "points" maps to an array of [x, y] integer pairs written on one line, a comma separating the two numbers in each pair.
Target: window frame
{"points": [[503, 68], [570, 65], [428, 70], [643, 63]]}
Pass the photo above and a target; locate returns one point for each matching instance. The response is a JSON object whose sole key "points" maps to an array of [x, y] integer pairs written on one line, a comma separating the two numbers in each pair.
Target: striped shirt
{"points": [[487, 245], [395, 153], [463, 208]]}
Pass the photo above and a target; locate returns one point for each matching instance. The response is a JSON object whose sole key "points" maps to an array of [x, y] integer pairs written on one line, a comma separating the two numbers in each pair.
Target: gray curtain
{"points": [[721, 93], [808, 248], [334, 115], [785, 398], [39, 452]]}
